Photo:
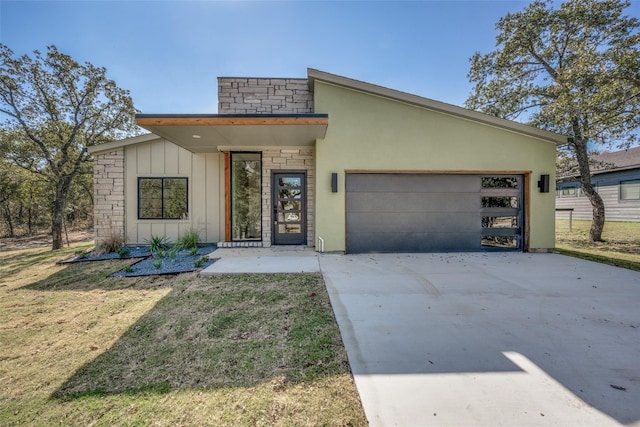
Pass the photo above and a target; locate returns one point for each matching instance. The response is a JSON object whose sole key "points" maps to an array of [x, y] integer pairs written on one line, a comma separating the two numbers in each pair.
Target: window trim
{"points": [[628, 181], [162, 179]]}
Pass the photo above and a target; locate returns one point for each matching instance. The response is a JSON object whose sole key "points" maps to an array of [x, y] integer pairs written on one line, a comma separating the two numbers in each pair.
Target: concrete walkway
{"points": [[489, 339], [279, 259]]}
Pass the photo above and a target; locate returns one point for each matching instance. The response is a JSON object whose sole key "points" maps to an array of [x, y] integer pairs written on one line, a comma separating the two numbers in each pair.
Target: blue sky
{"points": [[169, 53]]}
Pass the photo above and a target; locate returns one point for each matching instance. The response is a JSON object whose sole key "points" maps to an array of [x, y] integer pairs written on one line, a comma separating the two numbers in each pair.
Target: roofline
{"points": [[108, 146], [148, 120], [228, 116], [600, 172], [438, 106]]}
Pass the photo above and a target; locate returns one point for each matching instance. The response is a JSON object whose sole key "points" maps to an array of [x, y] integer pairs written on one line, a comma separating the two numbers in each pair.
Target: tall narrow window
{"points": [[246, 212], [162, 198]]}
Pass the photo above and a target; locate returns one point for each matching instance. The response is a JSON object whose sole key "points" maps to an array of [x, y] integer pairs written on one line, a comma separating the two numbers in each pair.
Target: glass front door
{"points": [[289, 209]]}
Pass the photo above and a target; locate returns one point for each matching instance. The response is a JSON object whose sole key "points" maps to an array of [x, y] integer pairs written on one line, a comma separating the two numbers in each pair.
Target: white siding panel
{"points": [[160, 158], [143, 159], [184, 161], [198, 195], [215, 197], [171, 159], [157, 158], [131, 193]]}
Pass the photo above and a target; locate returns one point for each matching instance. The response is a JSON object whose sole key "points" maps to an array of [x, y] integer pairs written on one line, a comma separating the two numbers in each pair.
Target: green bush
{"points": [[189, 240], [158, 243]]}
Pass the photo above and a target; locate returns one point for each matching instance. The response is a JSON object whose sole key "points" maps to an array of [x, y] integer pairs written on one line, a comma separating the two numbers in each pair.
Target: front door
{"points": [[289, 208]]}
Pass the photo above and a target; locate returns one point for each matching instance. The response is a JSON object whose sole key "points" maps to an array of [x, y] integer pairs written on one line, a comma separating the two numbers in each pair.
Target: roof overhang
{"points": [[202, 133]]}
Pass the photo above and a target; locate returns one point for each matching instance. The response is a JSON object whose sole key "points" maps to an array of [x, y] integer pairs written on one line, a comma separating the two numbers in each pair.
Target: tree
{"points": [[55, 108], [573, 70]]}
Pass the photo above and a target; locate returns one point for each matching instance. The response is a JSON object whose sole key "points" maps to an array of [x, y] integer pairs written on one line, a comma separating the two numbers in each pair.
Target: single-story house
{"points": [[616, 178], [332, 163]]}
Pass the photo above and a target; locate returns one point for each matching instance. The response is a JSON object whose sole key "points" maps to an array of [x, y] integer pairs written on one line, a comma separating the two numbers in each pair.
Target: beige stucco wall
{"points": [[368, 132], [160, 158]]}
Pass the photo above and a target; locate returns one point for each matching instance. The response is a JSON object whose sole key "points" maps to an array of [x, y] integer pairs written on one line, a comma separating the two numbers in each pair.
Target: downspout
{"points": [[321, 244]]}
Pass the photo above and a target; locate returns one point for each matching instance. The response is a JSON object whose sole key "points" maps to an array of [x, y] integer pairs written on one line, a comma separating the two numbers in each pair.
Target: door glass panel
{"points": [[290, 205], [500, 242], [500, 202], [246, 212], [499, 222], [289, 228], [289, 217], [500, 182], [289, 193], [290, 182]]}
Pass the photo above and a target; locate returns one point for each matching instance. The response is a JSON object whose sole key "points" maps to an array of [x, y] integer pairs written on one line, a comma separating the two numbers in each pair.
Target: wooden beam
{"points": [[231, 121], [227, 196]]}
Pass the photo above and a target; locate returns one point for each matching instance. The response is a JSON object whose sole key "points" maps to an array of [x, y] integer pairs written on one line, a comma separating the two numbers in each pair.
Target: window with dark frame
{"points": [[630, 190], [162, 198]]}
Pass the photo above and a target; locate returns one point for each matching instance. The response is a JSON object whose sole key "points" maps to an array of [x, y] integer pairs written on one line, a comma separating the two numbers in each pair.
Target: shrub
{"points": [[157, 263], [189, 240], [123, 252], [158, 243], [200, 261], [109, 245]]}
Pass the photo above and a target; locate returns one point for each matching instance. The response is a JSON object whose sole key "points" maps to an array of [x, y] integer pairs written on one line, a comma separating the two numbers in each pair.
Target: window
{"points": [[162, 198], [568, 192], [246, 196], [630, 190]]}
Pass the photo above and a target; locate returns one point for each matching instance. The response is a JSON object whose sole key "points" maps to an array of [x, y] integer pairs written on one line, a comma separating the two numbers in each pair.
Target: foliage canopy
{"points": [[53, 109], [574, 70]]}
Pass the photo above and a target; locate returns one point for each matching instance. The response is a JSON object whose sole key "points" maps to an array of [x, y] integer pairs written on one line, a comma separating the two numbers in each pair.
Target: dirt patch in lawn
{"points": [[42, 240]]}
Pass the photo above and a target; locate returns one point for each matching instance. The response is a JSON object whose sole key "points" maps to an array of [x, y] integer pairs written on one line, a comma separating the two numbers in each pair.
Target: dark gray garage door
{"points": [[433, 213]]}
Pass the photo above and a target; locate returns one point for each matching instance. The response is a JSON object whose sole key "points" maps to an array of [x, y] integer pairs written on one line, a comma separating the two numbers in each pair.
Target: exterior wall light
{"points": [[334, 182], [543, 184]]}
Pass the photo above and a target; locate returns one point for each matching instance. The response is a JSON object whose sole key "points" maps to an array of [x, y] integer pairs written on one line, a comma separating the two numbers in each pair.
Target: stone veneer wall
{"points": [[108, 195], [288, 159], [244, 95]]}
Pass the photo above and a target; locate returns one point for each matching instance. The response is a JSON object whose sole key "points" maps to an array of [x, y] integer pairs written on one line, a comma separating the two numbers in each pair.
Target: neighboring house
{"points": [[616, 178], [330, 162]]}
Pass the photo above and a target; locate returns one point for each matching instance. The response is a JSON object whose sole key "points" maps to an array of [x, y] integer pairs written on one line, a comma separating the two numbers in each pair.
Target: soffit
{"points": [[227, 131]]}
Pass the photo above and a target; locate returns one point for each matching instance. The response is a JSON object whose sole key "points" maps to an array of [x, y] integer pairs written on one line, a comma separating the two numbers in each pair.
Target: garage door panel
{"points": [[403, 222], [429, 212], [412, 183], [414, 242], [412, 202]]}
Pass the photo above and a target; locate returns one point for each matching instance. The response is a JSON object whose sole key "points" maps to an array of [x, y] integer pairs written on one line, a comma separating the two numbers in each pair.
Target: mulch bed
{"points": [[152, 264]]}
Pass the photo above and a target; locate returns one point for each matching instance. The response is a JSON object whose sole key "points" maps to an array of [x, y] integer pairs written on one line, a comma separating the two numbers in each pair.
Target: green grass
{"points": [[620, 245], [80, 348]]}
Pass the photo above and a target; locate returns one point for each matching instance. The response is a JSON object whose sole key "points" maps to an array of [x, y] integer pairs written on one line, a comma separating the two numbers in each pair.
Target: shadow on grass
{"points": [[209, 332]]}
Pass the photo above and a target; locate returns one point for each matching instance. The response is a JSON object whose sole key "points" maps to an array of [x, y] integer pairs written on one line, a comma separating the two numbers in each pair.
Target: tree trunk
{"points": [[597, 224], [8, 220], [62, 189]]}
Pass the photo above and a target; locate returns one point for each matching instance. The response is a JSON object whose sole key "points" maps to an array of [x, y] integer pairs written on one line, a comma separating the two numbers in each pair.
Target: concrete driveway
{"points": [[489, 339]]}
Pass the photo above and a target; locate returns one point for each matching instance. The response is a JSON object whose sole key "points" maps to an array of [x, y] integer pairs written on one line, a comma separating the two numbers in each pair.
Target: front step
{"points": [[240, 245]]}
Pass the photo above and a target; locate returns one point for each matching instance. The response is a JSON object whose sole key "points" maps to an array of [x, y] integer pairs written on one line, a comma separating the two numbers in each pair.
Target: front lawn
{"points": [[620, 245], [80, 348]]}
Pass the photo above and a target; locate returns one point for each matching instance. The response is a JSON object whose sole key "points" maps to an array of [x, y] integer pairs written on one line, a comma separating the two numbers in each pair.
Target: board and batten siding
{"points": [[205, 173], [608, 186]]}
